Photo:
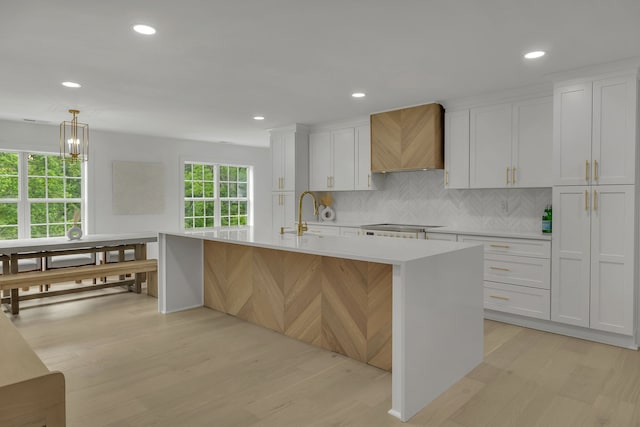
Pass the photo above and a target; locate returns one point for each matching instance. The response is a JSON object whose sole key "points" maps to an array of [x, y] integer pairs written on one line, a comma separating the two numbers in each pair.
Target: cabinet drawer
{"points": [[531, 302], [504, 246], [516, 270]]}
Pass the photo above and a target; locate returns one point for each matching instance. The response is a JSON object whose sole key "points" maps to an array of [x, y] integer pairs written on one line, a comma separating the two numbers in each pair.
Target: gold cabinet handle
{"points": [[499, 268], [499, 297], [595, 170], [328, 182], [331, 182], [595, 200], [586, 200], [369, 181], [500, 246], [586, 170], [508, 176], [513, 176], [446, 178]]}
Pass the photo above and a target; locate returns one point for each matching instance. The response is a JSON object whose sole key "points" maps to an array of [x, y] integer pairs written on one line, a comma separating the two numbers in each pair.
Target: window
{"points": [[40, 195], [216, 195]]}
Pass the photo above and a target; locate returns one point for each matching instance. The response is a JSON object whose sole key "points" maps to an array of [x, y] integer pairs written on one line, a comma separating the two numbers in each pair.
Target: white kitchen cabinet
{"points": [[364, 179], [490, 146], [532, 145], [332, 160], [283, 161], [517, 275], [283, 210], [456, 149], [510, 144], [595, 131], [593, 279]]}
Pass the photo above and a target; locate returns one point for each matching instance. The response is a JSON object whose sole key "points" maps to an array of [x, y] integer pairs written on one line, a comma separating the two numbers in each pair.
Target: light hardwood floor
{"points": [[127, 365]]}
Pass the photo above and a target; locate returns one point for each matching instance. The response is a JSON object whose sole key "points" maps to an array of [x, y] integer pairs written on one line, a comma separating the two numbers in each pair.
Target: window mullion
{"points": [[216, 196]]}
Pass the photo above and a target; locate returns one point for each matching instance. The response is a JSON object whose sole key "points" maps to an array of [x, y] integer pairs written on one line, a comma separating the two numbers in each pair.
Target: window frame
{"points": [[217, 199], [24, 201]]}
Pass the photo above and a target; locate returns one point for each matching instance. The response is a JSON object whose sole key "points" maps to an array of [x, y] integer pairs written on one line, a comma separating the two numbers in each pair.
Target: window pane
{"points": [[72, 209], [8, 163], [198, 222], [210, 206], [38, 213], [56, 230], [243, 220], [242, 208], [37, 166], [188, 208], [8, 187], [198, 190], [73, 169], [233, 174], [188, 223], [209, 222], [38, 231], [56, 212], [224, 173], [233, 189], [242, 175], [208, 172], [188, 189], [198, 208], [208, 189], [55, 188], [188, 171], [37, 188], [8, 232], [233, 220], [224, 208], [242, 190], [54, 166], [224, 221], [197, 172], [8, 214], [224, 189], [73, 188], [234, 208]]}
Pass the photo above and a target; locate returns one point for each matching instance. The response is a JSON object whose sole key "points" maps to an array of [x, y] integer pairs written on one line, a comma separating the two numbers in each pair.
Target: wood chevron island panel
{"points": [[215, 277], [303, 297], [344, 307], [386, 131], [268, 288], [339, 304], [379, 292]]}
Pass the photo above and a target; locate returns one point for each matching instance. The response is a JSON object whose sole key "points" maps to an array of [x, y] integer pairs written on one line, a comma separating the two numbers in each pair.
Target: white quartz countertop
{"points": [[366, 248]]}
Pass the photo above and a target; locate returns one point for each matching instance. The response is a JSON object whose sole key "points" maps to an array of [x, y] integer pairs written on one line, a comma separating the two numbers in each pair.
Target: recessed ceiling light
{"points": [[258, 118], [144, 29], [535, 54], [71, 84], [358, 94]]}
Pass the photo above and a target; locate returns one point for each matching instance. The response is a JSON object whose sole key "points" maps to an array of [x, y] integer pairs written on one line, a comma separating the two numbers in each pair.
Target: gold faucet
{"points": [[302, 228]]}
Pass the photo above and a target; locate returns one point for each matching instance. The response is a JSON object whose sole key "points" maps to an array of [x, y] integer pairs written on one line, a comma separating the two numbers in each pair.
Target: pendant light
{"points": [[74, 139]]}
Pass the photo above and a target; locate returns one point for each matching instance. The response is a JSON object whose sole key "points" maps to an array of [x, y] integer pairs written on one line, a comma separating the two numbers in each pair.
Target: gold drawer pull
{"points": [[499, 268], [595, 200], [499, 297], [595, 170], [513, 176], [586, 200], [508, 176], [586, 170], [500, 246]]}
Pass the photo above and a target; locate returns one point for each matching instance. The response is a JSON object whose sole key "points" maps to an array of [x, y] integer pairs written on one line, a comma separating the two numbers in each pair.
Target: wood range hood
{"points": [[408, 139]]}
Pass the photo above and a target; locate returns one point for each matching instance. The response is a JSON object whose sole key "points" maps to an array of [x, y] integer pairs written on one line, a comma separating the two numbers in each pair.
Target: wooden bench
{"points": [[67, 274], [30, 394]]}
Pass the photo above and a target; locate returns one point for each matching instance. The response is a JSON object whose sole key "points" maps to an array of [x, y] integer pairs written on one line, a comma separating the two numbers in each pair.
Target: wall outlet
{"points": [[504, 206]]}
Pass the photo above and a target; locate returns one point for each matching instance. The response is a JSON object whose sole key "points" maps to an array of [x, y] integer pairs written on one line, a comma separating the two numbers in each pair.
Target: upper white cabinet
{"points": [[595, 131], [340, 160], [283, 160], [593, 277], [456, 149], [510, 144], [332, 160]]}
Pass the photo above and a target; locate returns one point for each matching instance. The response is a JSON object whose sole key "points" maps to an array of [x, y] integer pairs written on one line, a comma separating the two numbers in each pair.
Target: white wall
{"points": [[107, 147], [420, 198]]}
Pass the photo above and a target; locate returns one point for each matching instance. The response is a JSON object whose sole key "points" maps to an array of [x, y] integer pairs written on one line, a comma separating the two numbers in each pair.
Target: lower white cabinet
{"points": [[283, 207], [517, 275], [593, 280]]}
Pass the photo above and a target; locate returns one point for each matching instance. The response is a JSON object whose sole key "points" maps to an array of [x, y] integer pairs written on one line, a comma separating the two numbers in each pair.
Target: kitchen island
{"points": [[412, 305]]}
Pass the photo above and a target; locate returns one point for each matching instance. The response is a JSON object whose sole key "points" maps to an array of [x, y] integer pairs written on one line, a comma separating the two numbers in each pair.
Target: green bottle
{"points": [[546, 220]]}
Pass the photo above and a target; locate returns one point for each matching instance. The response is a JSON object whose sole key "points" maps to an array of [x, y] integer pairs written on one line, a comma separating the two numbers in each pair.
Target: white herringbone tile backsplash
{"points": [[420, 198]]}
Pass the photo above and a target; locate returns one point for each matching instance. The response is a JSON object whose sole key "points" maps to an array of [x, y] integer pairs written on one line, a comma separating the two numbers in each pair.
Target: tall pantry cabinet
{"points": [[594, 244], [290, 172]]}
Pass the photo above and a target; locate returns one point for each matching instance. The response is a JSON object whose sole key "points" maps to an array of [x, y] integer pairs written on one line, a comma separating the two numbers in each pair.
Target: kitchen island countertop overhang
{"points": [[437, 306]]}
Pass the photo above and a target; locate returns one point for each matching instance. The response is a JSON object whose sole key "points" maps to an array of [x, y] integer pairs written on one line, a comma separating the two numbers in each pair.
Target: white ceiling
{"points": [[213, 65]]}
